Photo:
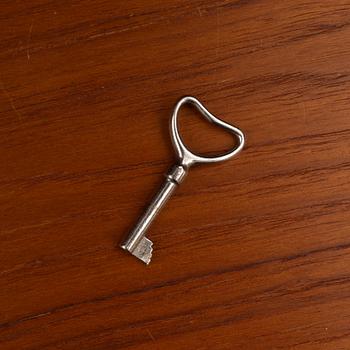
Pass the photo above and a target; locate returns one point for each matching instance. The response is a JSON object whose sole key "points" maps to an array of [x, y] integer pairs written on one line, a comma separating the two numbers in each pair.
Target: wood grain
{"points": [[253, 253]]}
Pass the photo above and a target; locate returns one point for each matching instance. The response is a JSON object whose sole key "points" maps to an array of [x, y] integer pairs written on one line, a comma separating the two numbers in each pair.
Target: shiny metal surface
{"points": [[136, 242]]}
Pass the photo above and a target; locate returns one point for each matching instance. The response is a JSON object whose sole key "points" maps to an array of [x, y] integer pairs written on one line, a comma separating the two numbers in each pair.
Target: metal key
{"points": [[136, 242]]}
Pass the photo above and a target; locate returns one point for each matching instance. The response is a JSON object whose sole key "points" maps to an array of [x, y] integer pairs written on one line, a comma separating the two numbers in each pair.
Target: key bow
{"points": [[188, 158]]}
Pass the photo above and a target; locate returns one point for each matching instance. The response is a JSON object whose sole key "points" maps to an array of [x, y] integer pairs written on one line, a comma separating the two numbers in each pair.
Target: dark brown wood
{"points": [[253, 253]]}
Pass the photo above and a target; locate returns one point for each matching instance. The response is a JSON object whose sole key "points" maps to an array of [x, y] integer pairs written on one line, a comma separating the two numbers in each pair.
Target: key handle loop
{"points": [[188, 158]]}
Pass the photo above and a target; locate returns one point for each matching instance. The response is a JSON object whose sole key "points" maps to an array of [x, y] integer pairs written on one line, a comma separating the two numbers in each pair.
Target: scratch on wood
{"points": [[135, 27], [38, 316], [102, 34], [28, 39], [150, 334]]}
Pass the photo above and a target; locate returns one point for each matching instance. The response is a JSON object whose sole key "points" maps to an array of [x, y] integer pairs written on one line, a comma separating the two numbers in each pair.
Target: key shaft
{"points": [[135, 237]]}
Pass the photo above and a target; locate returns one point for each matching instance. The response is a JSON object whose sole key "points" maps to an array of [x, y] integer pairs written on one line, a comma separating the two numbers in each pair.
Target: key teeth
{"points": [[144, 250]]}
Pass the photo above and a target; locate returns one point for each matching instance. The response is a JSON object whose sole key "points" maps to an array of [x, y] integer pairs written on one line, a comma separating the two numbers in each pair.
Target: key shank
{"points": [[135, 238]]}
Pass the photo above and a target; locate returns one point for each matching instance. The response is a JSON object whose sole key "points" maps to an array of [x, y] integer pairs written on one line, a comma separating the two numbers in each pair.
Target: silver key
{"points": [[136, 242]]}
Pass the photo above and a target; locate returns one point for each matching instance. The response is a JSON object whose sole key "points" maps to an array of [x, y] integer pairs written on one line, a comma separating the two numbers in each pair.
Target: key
{"points": [[136, 242]]}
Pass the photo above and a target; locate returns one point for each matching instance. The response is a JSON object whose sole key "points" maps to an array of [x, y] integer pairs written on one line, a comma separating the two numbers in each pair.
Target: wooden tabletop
{"points": [[252, 253]]}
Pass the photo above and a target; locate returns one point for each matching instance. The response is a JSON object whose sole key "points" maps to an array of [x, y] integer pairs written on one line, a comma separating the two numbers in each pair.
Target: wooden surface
{"points": [[249, 254]]}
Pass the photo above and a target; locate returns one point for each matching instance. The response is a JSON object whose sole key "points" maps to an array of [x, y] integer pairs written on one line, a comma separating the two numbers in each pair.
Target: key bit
{"points": [[136, 242], [143, 250]]}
